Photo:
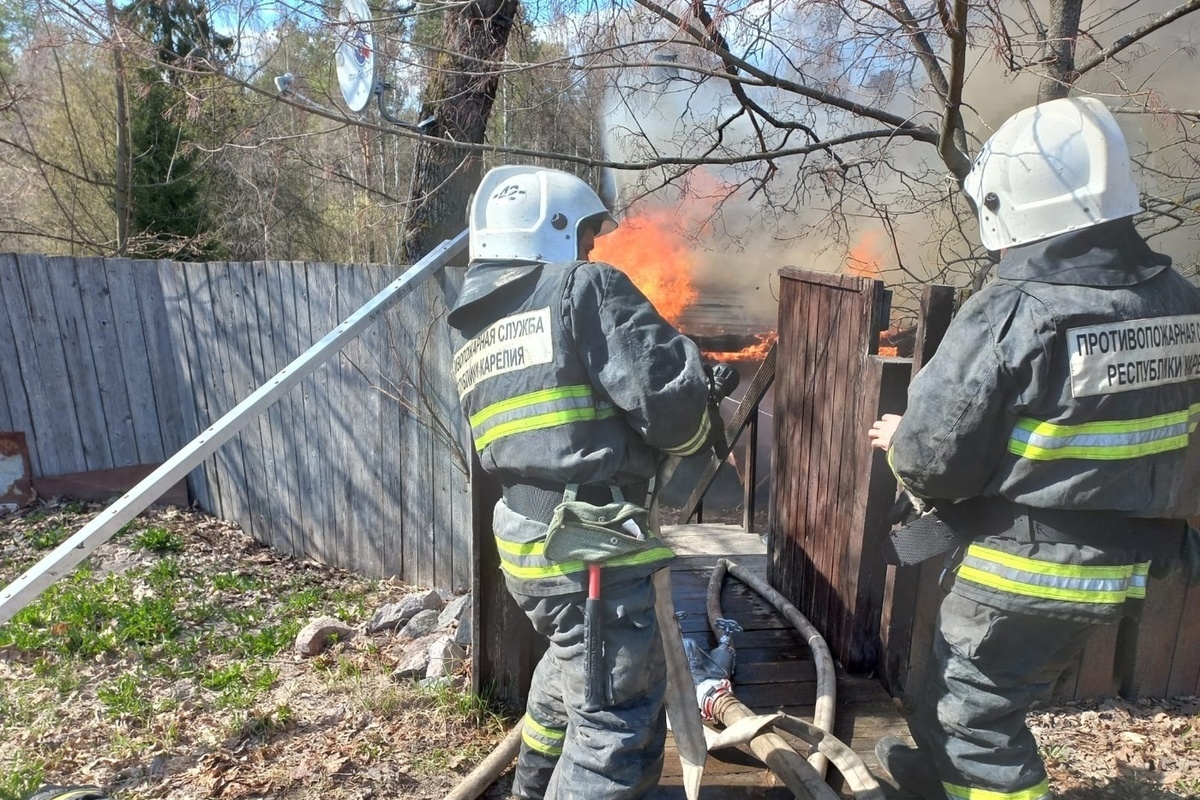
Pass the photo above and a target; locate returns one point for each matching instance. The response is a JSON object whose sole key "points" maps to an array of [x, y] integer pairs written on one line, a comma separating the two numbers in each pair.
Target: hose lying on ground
{"points": [[484, 775], [826, 677], [804, 778]]}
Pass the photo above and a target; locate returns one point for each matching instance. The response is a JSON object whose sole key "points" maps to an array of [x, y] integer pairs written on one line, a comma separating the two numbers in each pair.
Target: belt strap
{"points": [[995, 516], [538, 500], [952, 524]]}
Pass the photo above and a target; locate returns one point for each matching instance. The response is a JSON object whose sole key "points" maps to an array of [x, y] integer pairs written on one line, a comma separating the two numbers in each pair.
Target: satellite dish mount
{"points": [[355, 62]]}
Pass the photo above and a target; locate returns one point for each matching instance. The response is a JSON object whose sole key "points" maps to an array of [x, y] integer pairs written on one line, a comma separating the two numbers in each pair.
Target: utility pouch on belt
{"points": [[581, 531], [917, 535]]}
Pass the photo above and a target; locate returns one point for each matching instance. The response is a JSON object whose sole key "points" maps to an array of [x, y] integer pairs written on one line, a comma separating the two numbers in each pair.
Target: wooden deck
{"points": [[775, 669]]}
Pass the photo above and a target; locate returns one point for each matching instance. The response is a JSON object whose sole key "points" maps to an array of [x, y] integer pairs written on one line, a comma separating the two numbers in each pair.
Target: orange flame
{"points": [[648, 248], [865, 256], [754, 352]]}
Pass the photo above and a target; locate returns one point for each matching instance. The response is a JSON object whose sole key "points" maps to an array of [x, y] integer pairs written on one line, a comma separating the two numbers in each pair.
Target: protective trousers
{"points": [[989, 666], [615, 753]]}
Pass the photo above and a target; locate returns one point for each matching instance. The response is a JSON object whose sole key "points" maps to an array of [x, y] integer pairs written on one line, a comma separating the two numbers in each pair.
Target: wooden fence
{"points": [[108, 363], [832, 493]]}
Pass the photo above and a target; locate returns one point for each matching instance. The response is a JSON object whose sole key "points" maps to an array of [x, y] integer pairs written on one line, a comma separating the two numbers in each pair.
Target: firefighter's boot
{"points": [[911, 768]]}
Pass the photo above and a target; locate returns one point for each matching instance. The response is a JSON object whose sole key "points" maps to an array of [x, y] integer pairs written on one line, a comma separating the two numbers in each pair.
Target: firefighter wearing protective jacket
{"points": [[573, 382], [1060, 412]]}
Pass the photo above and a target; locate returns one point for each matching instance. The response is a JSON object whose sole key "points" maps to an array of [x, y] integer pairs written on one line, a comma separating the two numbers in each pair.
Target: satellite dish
{"points": [[355, 56]]}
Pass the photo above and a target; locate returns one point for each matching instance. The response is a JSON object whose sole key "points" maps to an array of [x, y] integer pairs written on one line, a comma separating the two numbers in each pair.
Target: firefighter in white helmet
{"points": [[1055, 431], [575, 388]]}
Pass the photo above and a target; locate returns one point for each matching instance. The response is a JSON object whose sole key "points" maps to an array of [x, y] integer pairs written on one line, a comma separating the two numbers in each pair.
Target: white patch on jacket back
{"points": [[1137, 354], [507, 345]]}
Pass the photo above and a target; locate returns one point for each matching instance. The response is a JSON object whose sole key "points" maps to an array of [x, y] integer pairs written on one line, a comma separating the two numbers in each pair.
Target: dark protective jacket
{"points": [[1071, 381], [568, 375]]}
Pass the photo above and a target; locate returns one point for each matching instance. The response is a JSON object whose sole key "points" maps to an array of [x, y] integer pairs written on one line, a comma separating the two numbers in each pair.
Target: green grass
{"points": [[447, 699], [123, 698], [166, 641], [21, 780], [49, 538], [158, 540]]}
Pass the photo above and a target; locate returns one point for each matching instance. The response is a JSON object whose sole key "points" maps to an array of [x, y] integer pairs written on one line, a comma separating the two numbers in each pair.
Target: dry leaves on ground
{"points": [[179, 681]]}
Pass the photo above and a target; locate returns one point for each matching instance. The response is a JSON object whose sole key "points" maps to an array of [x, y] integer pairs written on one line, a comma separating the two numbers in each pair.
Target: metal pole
{"points": [[67, 555]]}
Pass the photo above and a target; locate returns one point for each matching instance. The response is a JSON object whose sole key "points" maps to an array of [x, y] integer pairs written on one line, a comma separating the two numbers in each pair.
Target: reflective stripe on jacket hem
{"points": [[1028, 577], [1039, 792], [526, 561], [1104, 441]]}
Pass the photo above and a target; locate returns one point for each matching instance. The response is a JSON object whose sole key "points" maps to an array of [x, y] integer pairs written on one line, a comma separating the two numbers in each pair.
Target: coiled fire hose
{"points": [[804, 778], [826, 677]]}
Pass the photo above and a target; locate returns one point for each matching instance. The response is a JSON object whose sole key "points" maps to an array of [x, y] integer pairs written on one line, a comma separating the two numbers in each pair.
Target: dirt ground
{"points": [[164, 667]]}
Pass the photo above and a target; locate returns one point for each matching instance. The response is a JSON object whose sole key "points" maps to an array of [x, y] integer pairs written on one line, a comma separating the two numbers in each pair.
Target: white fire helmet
{"points": [[533, 213], [1049, 169]]}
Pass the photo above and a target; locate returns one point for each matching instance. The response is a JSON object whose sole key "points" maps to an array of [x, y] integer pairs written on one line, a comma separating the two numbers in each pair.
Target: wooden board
{"points": [[55, 444], [106, 484], [133, 356]]}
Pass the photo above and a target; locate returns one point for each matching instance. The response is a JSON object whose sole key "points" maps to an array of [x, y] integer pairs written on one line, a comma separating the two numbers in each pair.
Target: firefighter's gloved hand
{"points": [[722, 380]]}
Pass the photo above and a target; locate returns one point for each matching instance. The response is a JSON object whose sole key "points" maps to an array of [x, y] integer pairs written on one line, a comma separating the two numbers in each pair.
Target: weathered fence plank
{"points": [[416, 444], [56, 436], [63, 301], [376, 372], [13, 405], [163, 356], [102, 360], [280, 430], [6, 422], [1148, 641], [294, 287], [911, 594], [211, 338], [132, 356], [321, 292], [347, 441], [177, 315], [442, 408], [1184, 678], [229, 292]]}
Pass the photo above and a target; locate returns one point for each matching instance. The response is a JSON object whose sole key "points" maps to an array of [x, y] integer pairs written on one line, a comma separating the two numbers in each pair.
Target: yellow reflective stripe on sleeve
{"points": [[1006, 572], [547, 741], [1137, 581], [1104, 440], [533, 398], [697, 441], [1039, 792], [541, 421]]}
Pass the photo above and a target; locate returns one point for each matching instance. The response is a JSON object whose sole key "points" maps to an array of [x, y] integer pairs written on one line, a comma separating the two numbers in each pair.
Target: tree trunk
{"points": [[1060, 50], [122, 197], [459, 98]]}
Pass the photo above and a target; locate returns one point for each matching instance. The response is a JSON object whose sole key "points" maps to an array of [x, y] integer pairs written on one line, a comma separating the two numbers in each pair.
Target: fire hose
{"points": [[826, 679], [743, 726]]}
